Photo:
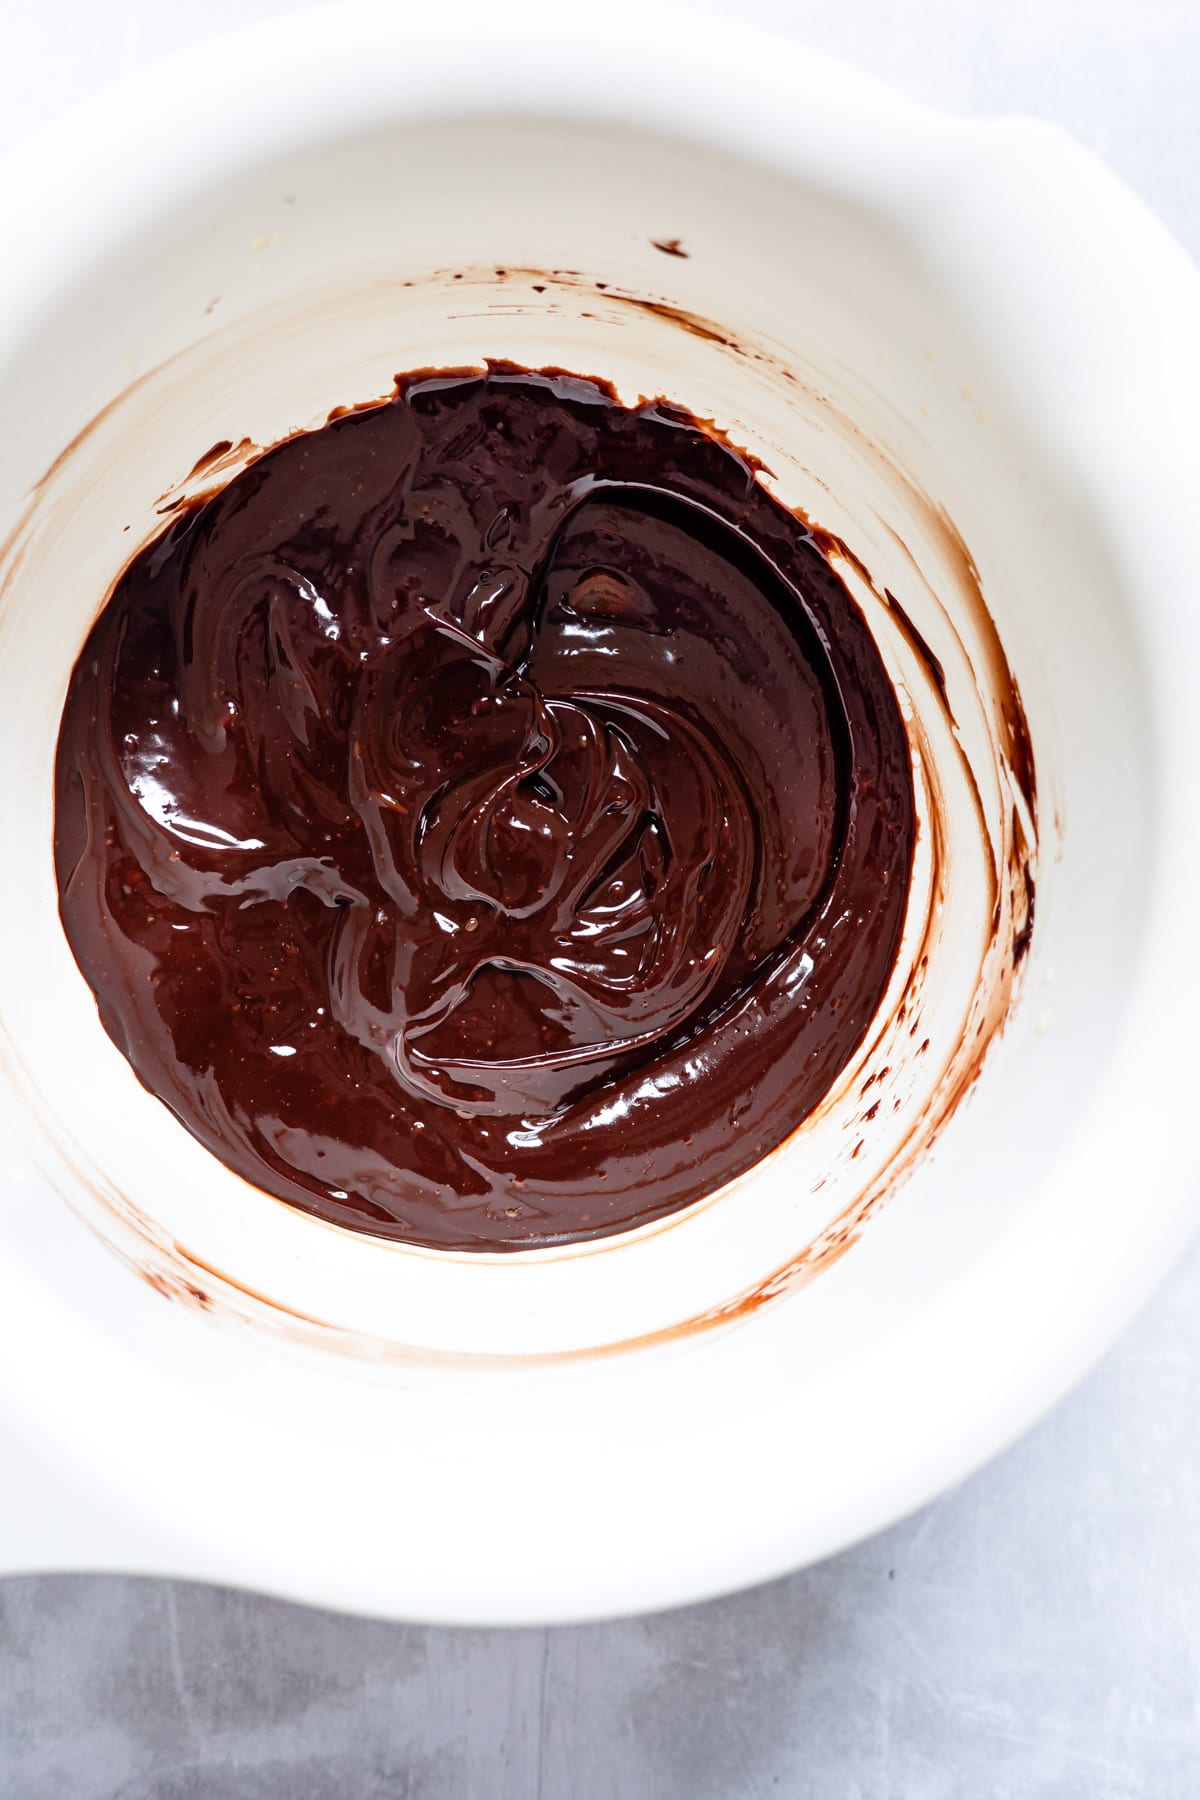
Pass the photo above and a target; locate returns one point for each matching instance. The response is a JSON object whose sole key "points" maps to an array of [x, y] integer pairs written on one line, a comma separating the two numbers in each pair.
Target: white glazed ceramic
{"points": [[964, 348]]}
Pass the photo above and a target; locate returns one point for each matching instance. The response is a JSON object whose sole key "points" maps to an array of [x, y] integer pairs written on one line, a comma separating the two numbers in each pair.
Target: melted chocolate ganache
{"points": [[487, 822]]}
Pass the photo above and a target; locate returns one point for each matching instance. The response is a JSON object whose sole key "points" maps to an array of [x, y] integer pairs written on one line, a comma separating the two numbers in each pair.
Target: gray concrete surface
{"points": [[1035, 1636]]}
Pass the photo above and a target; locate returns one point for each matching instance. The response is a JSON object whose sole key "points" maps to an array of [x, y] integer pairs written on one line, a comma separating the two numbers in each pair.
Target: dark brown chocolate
{"points": [[487, 821]]}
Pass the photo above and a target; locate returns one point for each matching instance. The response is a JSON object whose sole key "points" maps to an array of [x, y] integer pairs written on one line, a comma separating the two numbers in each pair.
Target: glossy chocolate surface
{"points": [[487, 821]]}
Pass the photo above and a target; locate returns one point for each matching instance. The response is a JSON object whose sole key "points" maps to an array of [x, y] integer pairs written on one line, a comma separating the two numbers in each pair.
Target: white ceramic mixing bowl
{"points": [[964, 349]]}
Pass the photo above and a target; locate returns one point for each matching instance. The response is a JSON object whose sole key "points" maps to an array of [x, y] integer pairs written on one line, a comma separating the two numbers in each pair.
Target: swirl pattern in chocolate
{"points": [[487, 822]]}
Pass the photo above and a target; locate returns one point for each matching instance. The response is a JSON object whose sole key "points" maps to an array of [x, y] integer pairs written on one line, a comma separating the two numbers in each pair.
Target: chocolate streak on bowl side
{"points": [[488, 821]]}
